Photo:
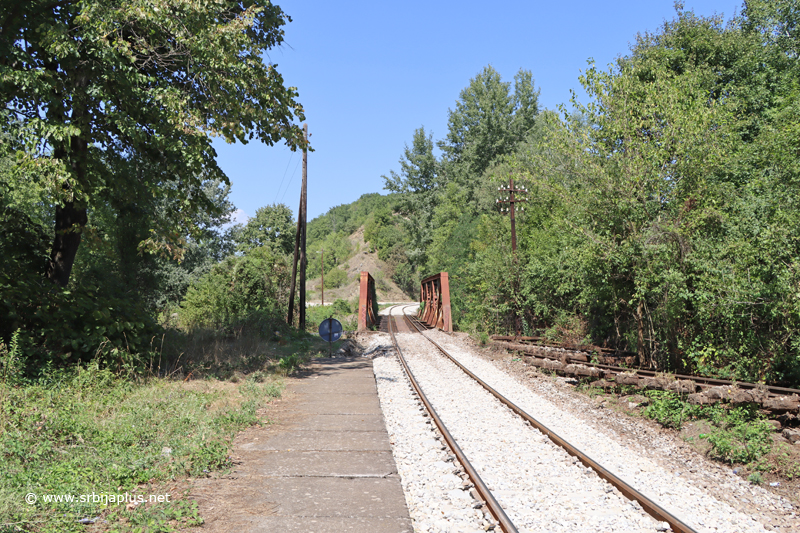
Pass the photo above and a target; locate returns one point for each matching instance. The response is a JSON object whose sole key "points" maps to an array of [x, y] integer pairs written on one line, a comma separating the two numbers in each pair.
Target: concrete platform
{"points": [[329, 467]]}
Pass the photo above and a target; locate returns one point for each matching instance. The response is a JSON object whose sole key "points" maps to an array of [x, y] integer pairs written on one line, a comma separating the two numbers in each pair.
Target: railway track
{"points": [[494, 507], [646, 504], [570, 360]]}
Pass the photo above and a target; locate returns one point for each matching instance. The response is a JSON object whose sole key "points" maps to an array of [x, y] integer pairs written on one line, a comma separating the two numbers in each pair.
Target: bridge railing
{"points": [[434, 302], [367, 303]]}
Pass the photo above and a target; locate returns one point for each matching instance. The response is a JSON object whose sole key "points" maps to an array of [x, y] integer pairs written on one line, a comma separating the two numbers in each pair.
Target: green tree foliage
{"points": [[336, 249], [240, 288], [418, 167], [488, 121], [417, 185], [346, 218], [335, 278], [272, 226], [662, 216], [662, 213], [151, 79], [330, 232], [109, 182]]}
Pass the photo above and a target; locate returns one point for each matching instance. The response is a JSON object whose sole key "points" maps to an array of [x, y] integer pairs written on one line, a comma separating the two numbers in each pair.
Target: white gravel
{"points": [[691, 504], [429, 478], [541, 487]]}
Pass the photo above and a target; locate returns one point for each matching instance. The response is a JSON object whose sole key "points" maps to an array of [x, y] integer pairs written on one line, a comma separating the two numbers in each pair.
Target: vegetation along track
{"points": [[579, 479], [575, 361]]}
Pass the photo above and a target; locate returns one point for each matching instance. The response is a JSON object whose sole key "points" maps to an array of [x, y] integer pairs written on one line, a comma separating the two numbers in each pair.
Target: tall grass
{"points": [[86, 430]]}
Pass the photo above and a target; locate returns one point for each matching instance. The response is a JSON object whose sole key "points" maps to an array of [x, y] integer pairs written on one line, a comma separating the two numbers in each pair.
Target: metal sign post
{"points": [[330, 330]]}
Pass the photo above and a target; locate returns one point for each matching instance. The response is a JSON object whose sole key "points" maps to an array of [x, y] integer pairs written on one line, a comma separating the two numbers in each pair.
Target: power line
{"points": [[290, 181], [291, 155]]}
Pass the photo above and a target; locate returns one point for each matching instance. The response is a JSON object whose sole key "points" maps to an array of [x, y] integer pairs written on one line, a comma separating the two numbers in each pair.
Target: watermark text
{"points": [[99, 498]]}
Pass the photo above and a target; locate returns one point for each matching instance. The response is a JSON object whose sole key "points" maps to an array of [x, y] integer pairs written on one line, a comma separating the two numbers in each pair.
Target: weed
{"points": [[755, 478], [87, 430], [668, 409], [738, 434], [585, 387], [11, 363], [164, 518], [781, 463], [742, 435], [289, 363]]}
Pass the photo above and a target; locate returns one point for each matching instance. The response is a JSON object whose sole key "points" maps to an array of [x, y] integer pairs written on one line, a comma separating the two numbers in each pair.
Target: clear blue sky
{"points": [[370, 72]]}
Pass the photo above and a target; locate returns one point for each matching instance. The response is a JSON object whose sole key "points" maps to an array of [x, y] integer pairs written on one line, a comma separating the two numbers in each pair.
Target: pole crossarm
{"points": [[512, 200]]}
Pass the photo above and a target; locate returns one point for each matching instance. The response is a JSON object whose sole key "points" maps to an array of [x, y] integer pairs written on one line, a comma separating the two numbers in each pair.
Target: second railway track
{"points": [[541, 486]]}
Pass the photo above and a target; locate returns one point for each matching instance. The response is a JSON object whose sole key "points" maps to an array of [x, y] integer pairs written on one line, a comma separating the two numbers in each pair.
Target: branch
{"points": [[14, 14]]}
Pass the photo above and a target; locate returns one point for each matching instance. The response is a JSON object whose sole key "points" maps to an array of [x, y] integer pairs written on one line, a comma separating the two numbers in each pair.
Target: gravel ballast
{"points": [[541, 487]]}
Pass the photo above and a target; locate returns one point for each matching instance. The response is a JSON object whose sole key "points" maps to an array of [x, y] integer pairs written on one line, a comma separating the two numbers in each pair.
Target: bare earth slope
{"points": [[363, 260]]}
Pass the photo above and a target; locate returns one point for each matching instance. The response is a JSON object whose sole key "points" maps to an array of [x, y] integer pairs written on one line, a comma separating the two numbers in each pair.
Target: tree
{"points": [[273, 226], [418, 186], [418, 167], [88, 79], [488, 122]]}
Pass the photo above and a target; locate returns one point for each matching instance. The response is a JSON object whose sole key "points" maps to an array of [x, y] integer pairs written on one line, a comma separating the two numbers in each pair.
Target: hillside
{"points": [[362, 260]]}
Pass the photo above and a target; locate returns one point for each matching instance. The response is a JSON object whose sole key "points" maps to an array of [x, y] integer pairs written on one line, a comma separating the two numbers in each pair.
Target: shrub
{"points": [[742, 436], [335, 278], [342, 307], [237, 289]]}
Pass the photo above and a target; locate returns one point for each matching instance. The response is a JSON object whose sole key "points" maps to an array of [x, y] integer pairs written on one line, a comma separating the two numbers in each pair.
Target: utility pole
{"points": [[512, 202], [300, 246], [303, 263]]}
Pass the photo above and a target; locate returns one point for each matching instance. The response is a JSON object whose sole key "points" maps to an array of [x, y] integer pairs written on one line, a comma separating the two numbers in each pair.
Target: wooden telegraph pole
{"points": [[300, 247], [303, 261], [512, 202]]}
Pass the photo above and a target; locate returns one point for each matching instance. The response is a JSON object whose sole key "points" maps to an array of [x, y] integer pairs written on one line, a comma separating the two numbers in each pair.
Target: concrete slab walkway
{"points": [[328, 467]]}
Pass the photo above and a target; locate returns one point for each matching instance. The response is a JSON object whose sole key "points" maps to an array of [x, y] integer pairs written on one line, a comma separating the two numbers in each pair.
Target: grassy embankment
{"points": [[88, 430]]}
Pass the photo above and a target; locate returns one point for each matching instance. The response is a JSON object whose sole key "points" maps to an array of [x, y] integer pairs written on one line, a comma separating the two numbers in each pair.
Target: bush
{"points": [[64, 326], [742, 436], [335, 278], [342, 307], [236, 290]]}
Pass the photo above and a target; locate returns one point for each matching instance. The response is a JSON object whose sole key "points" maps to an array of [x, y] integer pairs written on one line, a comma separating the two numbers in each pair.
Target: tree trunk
{"points": [[70, 222], [640, 335]]}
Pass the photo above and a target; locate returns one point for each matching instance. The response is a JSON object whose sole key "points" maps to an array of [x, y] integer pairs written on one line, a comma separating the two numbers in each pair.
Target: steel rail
{"points": [[494, 507], [652, 373], [649, 506]]}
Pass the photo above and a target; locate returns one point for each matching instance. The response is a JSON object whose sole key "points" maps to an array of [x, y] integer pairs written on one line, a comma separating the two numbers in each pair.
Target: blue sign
{"points": [[330, 330]]}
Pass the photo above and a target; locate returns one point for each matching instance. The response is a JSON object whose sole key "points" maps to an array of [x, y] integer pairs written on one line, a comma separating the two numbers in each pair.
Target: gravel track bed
{"points": [[662, 446], [526, 472], [433, 490], [692, 504]]}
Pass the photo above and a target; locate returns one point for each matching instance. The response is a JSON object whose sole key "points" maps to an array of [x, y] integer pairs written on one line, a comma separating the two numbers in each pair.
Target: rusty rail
{"points": [[529, 345], [367, 303], [649, 506], [434, 302], [701, 390], [484, 492]]}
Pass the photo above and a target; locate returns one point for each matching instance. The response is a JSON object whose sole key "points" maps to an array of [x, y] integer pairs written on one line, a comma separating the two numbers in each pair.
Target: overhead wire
{"points": [[291, 155], [290, 181]]}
